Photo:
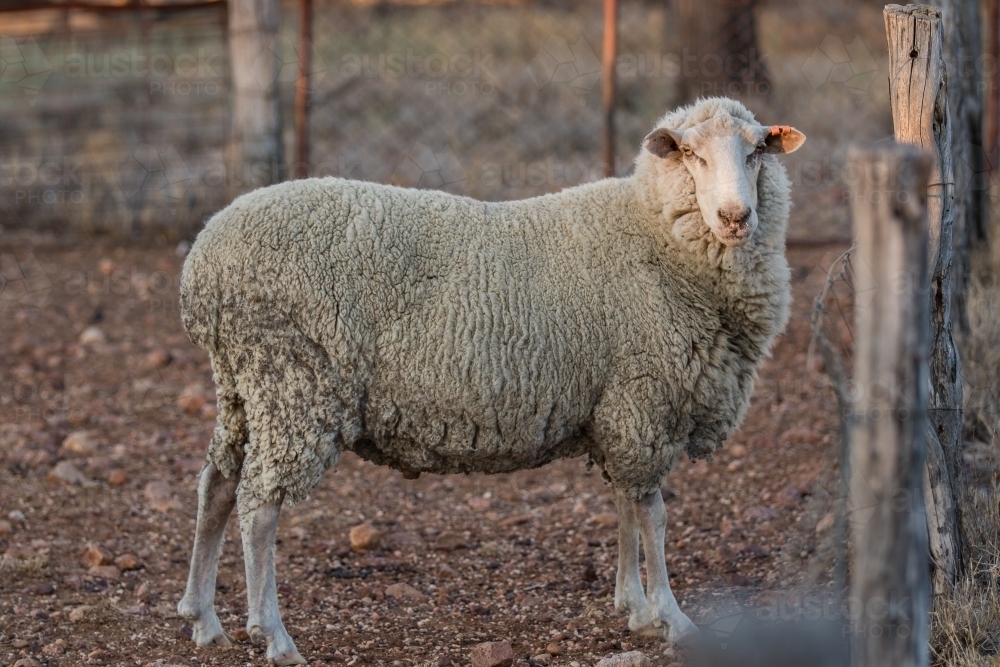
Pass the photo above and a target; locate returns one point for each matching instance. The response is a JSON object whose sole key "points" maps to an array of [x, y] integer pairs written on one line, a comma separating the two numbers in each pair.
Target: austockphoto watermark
{"points": [[437, 68], [880, 616], [43, 182]]}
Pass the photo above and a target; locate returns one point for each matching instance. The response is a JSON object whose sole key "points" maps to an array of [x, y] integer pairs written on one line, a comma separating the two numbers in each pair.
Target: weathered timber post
{"points": [[608, 83], [302, 90], [920, 115], [961, 49], [255, 155], [890, 589]]}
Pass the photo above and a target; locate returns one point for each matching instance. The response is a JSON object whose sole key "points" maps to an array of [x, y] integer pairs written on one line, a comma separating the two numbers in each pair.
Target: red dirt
{"points": [[530, 557]]}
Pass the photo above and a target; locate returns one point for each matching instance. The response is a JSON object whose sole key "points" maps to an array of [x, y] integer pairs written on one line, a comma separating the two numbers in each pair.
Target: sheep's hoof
{"points": [[288, 658]]}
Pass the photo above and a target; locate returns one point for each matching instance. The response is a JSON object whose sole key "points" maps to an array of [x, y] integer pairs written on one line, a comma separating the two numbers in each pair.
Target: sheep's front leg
{"points": [[662, 607], [258, 527], [216, 497], [629, 595]]}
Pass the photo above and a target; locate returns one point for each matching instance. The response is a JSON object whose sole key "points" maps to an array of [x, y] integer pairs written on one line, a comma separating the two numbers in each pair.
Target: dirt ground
{"points": [[91, 345]]}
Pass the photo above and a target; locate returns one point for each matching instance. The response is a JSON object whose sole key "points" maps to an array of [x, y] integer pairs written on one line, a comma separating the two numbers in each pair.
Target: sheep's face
{"points": [[724, 155]]}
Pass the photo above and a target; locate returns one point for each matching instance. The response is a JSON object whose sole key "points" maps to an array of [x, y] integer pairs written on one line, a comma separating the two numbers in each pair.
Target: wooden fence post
{"points": [[302, 84], [255, 155], [920, 116], [608, 84], [890, 589]]}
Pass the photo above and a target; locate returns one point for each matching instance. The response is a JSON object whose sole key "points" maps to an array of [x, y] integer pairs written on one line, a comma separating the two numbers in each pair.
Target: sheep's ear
{"points": [[662, 142], [782, 139]]}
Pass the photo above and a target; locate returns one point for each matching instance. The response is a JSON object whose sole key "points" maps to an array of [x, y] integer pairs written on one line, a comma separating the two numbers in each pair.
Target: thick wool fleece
{"points": [[436, 333]]}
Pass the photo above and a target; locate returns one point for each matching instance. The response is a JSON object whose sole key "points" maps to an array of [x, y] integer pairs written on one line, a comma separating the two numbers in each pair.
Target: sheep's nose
{"points": [[735, 217]]}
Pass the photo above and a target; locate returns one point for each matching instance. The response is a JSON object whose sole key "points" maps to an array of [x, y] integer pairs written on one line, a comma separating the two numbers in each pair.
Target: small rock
{"points": [[20, 643], [605, 520], [516, 520], [448, 541], [553, 649], [542, 658], [192, 399], [734, 465], [589, 572], [108, 572], [66, 473], [80, 613], [92, 336], [404, 591], [479, 503], [825, 524], [738, 451], [403, 539], [17, 515], [118, 477], [365, 536], [159, 496], [53, 649], [106, 266], [80, 442], [127, 562], [6, 528], [752, 550], [240, 636], [27, 662], [94, 556], [788, 497], [44, 588], [630, 659], [800, 436], [669, 652], [159, 358], [492, 654]]}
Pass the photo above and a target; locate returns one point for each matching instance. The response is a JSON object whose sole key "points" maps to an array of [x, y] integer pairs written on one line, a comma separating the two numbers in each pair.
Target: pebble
{"points": [[108, 572], [553, 649], [630, 659], [17, 515], [605, 520], [67, 473], [159, 495], [825, 524], [404, 591], [449, 541], [403, 539], [55, 648], [118, 477], [44, 588], [92, 336], [5, 527], [192, 399], [542, 658], [95, 555], [80, 613], [80, 442], [738, 451], [788, 497], [27, 662], [240, 636], [127, 562], [760, 513], [159, 358], [492, 654], [364, 537], [19, 643]]}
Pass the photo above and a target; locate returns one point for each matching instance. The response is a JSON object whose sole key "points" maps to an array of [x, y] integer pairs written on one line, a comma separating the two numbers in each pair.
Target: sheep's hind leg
{"points": [[216, 497], [629, 595], [258, 527], [662, 617]]}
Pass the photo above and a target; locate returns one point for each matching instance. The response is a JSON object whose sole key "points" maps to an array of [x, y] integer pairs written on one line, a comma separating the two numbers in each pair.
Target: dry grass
{"points": [[966, 625], [966, 629]]}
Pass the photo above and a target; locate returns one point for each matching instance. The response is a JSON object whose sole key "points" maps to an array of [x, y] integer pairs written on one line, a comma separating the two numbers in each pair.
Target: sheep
{"points": [[623, 319]]}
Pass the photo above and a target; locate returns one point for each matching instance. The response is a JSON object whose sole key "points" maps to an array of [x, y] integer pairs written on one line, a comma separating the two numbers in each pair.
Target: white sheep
{"points": [[624, 319]]}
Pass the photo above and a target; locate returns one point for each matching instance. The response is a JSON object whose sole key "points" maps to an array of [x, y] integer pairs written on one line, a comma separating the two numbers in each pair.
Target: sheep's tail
{"points": [[200, 300]]}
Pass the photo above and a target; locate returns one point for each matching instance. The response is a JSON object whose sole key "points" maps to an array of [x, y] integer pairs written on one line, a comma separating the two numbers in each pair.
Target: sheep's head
{"points": [[723, 155]]}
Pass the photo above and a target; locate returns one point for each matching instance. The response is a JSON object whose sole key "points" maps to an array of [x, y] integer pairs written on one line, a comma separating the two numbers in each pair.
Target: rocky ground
{"points": [[105, 412]]}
